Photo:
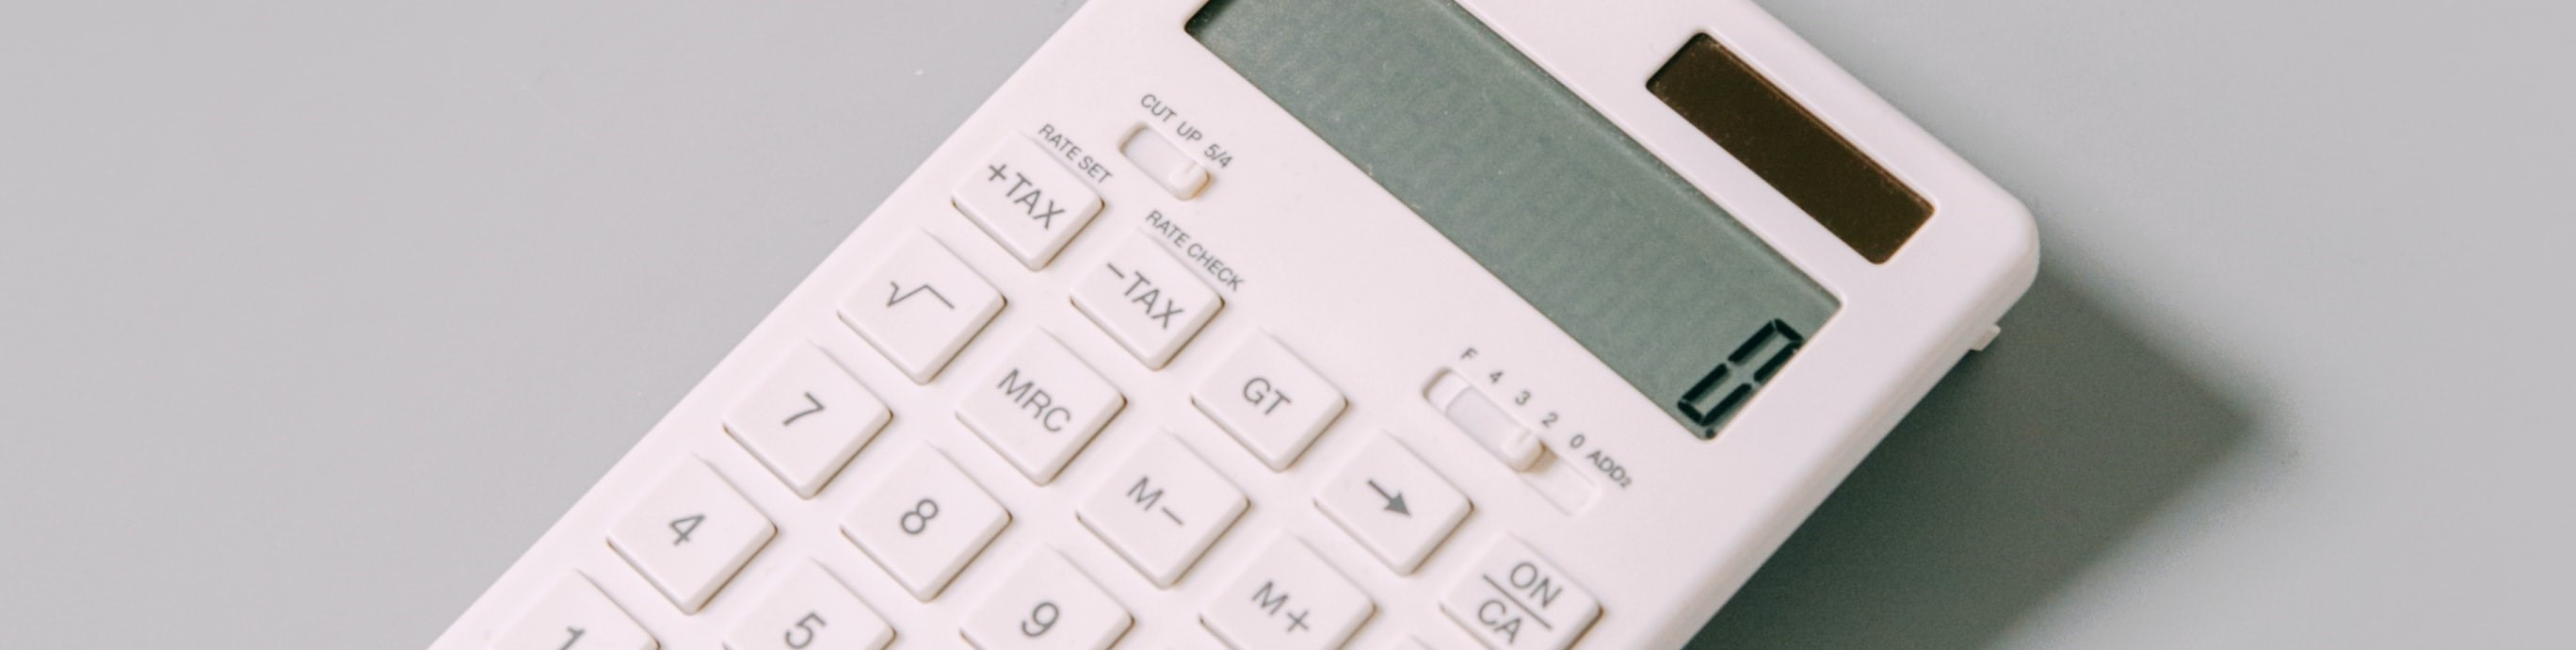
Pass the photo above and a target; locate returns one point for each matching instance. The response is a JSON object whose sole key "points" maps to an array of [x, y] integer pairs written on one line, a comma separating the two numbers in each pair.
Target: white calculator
{"points": [[1311, 324]]}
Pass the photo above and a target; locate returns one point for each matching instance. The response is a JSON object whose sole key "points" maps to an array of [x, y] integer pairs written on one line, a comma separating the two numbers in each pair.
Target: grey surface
{"points": [[314, 314]]}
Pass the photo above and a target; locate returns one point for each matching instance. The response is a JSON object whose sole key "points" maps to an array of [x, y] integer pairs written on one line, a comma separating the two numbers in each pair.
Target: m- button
{"points": [[1272, 402], [1162, 509]]}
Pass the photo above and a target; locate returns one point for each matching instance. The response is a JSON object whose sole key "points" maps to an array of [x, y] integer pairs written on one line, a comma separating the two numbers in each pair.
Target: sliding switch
{"points": [[1166, 164], [1485, 421]]}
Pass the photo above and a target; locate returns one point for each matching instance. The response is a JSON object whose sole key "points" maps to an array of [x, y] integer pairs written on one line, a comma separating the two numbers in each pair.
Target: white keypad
{"points": [[1269, 399], [573, 614], [690, 534], [924, 521], [806, 419], [1162, 509], [1393, 504], [1039, 406], [1515, 600], [810, 611], [1289, 599], [920, 306], [1047, 604], [1034, 394], [1026, 200], [1146, 300]]}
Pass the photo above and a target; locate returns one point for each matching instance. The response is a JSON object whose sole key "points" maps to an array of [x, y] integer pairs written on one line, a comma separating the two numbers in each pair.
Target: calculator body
{"points": [[1604, 493]]}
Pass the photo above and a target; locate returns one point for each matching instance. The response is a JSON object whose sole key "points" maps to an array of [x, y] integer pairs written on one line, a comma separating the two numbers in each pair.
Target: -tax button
{"points": [[1146, 300]]}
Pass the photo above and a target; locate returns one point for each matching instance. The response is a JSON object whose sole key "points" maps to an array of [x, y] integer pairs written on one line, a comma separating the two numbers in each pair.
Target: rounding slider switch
{"points": [[1484, 421], [1168, 166]]}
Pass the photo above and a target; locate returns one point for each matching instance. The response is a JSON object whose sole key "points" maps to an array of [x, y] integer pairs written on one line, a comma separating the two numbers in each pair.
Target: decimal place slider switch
{"points": [[1485, 421]]}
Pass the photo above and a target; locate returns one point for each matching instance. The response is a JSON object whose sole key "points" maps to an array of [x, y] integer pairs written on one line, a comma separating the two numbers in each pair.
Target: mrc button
{"points": [[1515, 600]]}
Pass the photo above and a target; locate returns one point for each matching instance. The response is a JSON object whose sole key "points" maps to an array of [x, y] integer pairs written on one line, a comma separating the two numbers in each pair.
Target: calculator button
{"points": [[806, 419], [924, 522], [1484, 421], [1164, 163], [1163, 508], [1407, 643], [810, 611], [573, 614], [1272, 402], [1026, 200], [1146, 300], [1516, 600], [1039, 406], [1289, 599], [690, 534], [1393, 504], [920, 306], [1047, 604]]}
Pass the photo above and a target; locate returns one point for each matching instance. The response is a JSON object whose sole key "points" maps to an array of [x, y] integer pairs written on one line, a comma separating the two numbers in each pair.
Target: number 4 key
{"points": [[690, 534]]}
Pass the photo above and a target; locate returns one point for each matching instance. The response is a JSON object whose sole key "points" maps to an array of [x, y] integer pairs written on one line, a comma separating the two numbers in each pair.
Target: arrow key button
{"points": [[1395, 505]]}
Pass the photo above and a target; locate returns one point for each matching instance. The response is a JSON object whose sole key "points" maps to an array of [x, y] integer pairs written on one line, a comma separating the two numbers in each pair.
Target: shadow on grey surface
{"points": [[2023, 466]]}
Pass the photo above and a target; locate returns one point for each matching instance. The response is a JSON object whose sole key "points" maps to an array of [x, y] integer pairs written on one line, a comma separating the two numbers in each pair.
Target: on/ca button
{"points": [[1166, 164]]}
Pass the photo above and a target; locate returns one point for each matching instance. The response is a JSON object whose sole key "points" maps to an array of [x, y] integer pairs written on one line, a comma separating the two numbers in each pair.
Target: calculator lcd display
{"points": [[1612, 246]]}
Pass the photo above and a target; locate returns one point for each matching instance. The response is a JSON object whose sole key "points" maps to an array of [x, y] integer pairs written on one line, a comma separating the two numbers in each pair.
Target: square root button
{"points": [[920, 306]]}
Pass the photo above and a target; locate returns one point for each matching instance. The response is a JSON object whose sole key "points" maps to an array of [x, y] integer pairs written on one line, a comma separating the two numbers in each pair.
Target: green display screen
{"points": [[1615, 248]]}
